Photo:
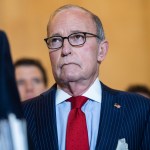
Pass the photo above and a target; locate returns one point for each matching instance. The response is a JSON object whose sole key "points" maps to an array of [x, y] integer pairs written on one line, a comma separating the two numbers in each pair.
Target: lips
{"points": [[70, 63]]}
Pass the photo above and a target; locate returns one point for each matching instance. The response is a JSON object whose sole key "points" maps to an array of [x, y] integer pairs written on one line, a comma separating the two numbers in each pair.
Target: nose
{"points": [[29, 87], [66, 48]]}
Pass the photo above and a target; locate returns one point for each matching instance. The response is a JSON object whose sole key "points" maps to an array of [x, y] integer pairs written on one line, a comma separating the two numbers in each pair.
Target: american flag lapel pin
{"points": [[117, 105]]}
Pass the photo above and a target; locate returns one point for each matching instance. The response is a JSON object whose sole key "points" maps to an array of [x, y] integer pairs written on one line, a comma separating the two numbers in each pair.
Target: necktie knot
{"points": [[77, 102]]}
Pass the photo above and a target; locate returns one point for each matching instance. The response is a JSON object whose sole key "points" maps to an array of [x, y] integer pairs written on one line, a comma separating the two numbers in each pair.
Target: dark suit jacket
{"points": [[131, 121]]}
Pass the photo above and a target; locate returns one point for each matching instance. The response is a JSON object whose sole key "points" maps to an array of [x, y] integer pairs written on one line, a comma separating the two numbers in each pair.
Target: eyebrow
{"points": [[73, 31], [55, 34]]}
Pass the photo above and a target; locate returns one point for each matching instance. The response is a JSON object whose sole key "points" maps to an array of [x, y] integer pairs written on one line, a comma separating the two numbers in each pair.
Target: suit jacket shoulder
{"points": [[41, 120], [123, 115]]}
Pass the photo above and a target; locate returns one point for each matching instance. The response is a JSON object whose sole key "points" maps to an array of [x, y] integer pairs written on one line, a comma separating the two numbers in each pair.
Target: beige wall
{"points": [[126, 24]]}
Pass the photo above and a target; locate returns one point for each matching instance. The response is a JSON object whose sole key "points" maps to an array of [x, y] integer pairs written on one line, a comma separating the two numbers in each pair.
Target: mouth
{"points": [[66, 64]]}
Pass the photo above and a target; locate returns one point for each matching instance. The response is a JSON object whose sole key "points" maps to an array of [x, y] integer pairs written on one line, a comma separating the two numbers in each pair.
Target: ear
{"points": [[102, 51]]}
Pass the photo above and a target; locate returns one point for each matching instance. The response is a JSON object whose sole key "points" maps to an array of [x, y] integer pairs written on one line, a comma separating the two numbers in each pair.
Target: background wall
{"points": [[126, 24]]}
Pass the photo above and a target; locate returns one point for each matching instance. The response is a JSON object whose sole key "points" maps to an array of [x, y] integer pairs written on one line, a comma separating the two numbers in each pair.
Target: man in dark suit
{"points": [[114, 119]]}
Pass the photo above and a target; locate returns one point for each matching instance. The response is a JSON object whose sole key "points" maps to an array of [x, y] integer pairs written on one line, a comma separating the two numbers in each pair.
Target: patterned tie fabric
{"points": [[76, 134]]}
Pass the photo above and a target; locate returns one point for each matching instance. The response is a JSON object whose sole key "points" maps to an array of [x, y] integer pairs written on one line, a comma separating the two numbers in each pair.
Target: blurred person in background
{"points": [[139, 89], [31, 78]]}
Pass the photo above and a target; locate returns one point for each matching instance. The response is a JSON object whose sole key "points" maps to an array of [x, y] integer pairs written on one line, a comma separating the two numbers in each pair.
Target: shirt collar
{"points": [[93, 93]]}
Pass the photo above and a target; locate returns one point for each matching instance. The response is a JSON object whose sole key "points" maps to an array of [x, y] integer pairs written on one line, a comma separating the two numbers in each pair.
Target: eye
{"points": [[37, 81], [54, 40], [77, 37]]}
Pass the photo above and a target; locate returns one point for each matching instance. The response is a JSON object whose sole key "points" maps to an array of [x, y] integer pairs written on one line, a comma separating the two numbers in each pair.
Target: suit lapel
{"points": [[110, 119], [46, 121]]}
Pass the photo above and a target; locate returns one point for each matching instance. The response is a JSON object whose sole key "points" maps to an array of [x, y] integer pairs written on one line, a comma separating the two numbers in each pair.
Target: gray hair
{"points": [[96, 19]]}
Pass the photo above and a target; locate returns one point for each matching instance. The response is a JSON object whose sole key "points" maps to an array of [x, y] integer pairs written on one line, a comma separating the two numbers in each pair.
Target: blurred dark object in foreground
{"points": [[12, 125], [9, 97]]}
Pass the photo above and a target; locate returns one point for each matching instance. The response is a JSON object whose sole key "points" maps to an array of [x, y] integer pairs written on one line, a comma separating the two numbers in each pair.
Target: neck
{"points": [[77, 88]]}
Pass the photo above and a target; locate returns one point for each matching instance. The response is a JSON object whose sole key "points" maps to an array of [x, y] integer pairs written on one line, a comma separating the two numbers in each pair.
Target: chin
{"points": [[68, 76], [68, 79]]}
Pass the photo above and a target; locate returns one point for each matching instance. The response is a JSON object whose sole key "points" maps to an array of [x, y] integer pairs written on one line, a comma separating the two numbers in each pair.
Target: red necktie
{"points": [[77, 135]]}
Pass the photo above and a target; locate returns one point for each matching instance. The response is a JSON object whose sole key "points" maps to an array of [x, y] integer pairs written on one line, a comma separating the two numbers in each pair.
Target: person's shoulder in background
{"points": [[139, 89]]}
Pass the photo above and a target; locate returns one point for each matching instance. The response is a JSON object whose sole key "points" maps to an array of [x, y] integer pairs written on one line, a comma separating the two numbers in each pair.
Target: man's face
{"points": [[74, 63], [29, 81]]}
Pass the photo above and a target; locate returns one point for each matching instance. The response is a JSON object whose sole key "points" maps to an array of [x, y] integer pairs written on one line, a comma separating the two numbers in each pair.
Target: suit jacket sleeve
{"points": [[146, 137]]}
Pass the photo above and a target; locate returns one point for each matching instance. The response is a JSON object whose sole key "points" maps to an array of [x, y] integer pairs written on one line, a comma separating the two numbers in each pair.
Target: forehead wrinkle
{"points": [[71, 32], [82, 27], [67, 12]]}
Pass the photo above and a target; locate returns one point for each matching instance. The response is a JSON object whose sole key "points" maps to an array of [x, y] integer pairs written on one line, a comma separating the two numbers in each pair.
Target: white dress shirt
{"points": [[91, 109]]}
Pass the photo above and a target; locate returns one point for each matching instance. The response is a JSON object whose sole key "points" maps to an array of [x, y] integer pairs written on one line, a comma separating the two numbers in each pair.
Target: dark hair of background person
{"points": [[140, 89], [32, 62]]}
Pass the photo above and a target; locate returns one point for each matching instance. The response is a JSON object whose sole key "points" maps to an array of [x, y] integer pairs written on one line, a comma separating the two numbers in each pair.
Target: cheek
{"points": [[21, 90], [40, 88], [90, 55], [54, 58], [89, 58]]}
